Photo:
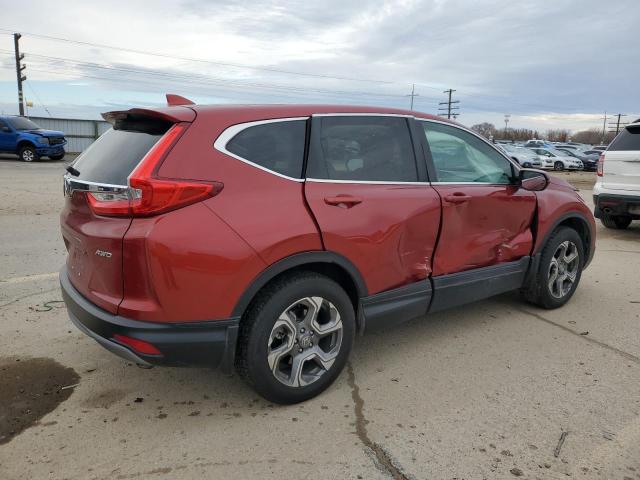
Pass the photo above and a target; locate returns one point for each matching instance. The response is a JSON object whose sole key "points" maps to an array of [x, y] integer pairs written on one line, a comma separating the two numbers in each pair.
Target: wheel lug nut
{"points": [[302, 330], [300, 350]]}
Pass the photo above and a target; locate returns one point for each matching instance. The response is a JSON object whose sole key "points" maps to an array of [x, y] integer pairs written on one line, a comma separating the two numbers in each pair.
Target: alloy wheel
{"points": [[27, 155], [304, 341], [563, 269]]}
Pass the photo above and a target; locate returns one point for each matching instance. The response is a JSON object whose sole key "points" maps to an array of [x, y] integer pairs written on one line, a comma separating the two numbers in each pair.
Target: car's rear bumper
{"points": [[207, 343], [612, 204]]}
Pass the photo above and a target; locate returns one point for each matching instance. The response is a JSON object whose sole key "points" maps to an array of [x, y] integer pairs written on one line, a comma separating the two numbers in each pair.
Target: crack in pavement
{"points": [[627, 355], [33, 294], [383, 460]]}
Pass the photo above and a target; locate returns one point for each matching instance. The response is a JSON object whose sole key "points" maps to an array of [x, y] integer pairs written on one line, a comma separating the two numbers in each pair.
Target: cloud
{"points": [[540, 61]]}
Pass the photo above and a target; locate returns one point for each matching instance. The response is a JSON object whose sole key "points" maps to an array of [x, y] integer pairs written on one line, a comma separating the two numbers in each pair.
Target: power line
{"points": [[201, 60], [39, 99]]}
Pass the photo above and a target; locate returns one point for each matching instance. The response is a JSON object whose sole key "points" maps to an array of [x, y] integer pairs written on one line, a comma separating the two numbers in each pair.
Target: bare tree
{"points": [[486, 129]]}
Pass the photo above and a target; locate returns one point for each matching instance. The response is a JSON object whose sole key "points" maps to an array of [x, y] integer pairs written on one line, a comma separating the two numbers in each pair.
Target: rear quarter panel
{"points": [[186, 265], [266, 211]]}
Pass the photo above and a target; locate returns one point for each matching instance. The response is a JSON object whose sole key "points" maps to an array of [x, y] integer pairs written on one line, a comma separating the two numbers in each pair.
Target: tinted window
{"points": [[364, 149], [627, 139], [21, 123], [278, 146], [459, 156], [112, 157]]}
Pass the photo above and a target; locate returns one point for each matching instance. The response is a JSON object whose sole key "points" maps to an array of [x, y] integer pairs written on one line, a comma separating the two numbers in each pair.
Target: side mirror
{"points": [[533, 180]]}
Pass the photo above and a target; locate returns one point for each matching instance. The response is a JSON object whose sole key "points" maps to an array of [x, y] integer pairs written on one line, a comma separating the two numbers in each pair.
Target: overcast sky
{"points": [[548, 63]]}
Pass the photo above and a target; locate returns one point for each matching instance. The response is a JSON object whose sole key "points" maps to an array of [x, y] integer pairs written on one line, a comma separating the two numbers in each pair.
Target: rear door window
{"points": [[276, 146], [113, 156], [627, 139], [363, 148]]}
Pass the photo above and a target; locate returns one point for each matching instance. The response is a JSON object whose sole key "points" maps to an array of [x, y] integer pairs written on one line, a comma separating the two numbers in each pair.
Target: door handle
{"points": [[457, 197], [345, 201]]}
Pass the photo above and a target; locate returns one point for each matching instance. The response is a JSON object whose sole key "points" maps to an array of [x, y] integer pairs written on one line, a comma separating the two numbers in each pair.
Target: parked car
{"points": [[600, 148], [268, 237], [589, 162], [538, 144], [523, 156], [557, 159], [21, 136], [616, 194]]}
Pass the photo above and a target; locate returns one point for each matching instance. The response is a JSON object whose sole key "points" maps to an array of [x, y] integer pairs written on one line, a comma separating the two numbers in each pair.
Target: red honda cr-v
{"points": [[266, 237]]}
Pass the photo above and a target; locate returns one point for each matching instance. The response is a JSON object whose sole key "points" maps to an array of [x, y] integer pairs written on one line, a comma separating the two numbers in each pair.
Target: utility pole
{"points": [[507, 117], [617, 123], [449, 104], [19, 68], [604, 127], [413, 94]]}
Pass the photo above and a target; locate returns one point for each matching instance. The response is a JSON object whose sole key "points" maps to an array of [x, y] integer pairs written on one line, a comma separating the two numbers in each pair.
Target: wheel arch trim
{"points": [[295, 261], [589, 244]]}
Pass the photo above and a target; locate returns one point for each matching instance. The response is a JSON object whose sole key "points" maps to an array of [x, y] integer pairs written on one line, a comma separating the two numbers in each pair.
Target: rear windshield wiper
{"points": [[73, 171]]}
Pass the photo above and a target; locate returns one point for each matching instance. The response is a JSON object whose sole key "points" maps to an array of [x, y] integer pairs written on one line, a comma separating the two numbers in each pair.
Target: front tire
{"points": [[559, 271], [616, 222], [295, 337], [28, 154], [59, 156], [558, 166]]}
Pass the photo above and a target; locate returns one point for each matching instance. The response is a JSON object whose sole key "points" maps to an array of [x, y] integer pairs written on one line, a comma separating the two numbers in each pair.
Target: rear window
{"points": [[627, 139], [112, 157], [277, 146]]}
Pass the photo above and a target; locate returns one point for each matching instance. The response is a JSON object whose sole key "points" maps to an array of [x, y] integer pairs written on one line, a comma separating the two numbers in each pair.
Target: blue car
{"points": [[21, 136]]}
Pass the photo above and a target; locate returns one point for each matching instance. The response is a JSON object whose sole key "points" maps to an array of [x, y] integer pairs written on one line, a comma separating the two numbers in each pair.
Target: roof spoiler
{"points": [[167, 114]]}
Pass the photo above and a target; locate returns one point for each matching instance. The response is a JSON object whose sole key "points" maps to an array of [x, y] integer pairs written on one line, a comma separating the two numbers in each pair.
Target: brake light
{"points": [[148, 195], [600, 170]]}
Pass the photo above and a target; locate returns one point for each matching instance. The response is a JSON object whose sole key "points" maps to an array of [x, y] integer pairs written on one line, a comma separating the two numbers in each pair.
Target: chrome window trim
{"points": [[364, 182], [468, 130], [369, 114], [220, 144]]}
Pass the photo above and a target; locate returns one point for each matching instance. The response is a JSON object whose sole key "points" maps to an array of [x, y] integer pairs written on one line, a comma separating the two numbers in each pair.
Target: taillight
{"points": [[600, 171], [148, 195]]}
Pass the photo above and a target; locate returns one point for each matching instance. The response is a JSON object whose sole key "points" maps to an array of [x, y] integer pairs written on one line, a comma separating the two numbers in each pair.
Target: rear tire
{"points": [[559, 270], [295, 337], [28, 154], [558, 166], [616, 222]]}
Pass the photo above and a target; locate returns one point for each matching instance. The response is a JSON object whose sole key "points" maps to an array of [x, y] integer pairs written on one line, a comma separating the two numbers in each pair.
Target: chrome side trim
{"points": [[225, 137], [71, 185], [484, 184], [364, 182]]}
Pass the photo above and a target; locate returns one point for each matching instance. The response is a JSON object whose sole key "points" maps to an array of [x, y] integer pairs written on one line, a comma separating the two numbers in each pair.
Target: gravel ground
{"points": [[497, 389]]}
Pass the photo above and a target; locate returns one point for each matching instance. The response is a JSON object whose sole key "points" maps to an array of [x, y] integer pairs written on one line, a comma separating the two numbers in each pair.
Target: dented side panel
{"points": [[492, 226]]}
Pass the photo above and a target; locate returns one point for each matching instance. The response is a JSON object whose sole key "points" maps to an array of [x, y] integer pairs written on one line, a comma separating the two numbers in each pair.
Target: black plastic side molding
{"points": [[477, 284], [396, 306]]}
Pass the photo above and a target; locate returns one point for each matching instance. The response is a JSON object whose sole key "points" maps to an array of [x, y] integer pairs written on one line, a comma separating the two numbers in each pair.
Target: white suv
{"points": [[616, 195]]}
